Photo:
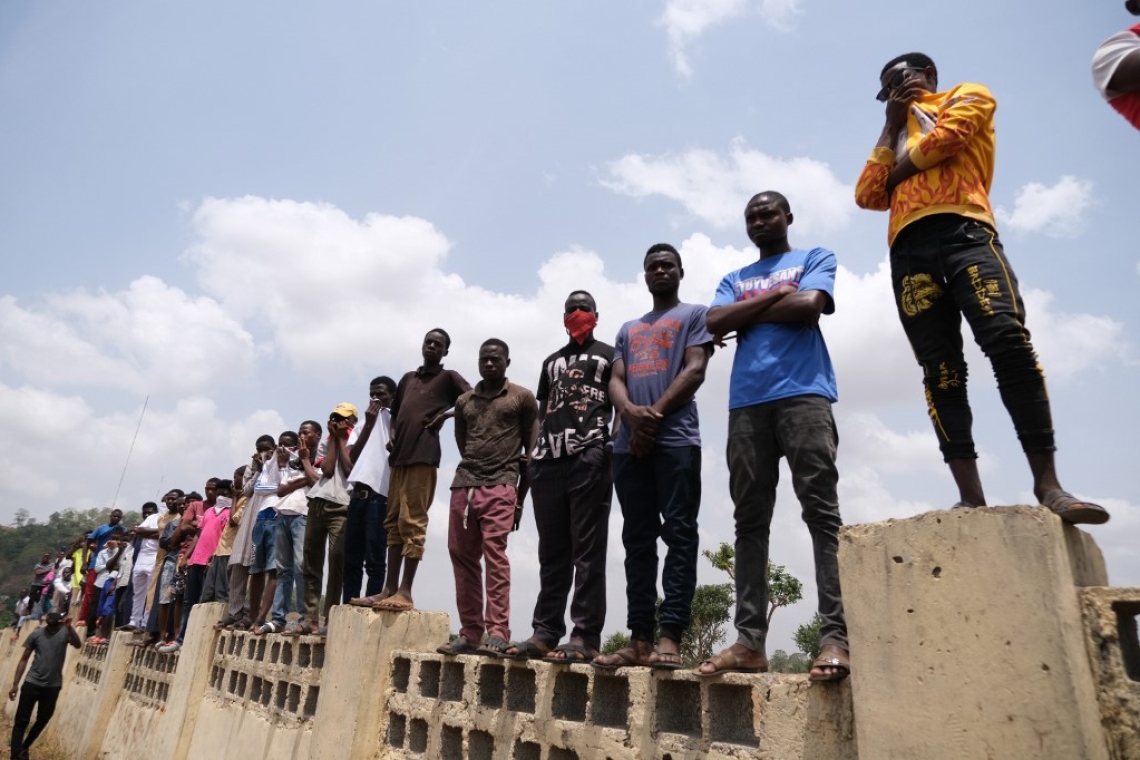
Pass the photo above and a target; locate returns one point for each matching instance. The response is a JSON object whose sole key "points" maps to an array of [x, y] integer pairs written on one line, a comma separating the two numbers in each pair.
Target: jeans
{"points": [[802, 429], [31, 696], [946, 267], [195, 580], [289, 544], [660, 496], [365, 544]]}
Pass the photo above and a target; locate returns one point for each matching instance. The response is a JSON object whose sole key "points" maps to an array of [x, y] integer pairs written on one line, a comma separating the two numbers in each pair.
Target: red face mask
{"points": [[580, 324]]}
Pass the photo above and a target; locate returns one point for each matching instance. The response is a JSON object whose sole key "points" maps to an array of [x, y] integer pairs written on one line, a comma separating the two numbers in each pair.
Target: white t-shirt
{"points": [[371, 468], [294, 502], [148, 547]]}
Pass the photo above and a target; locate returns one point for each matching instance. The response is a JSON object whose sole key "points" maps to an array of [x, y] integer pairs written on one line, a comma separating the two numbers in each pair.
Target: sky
{"points": [[238, 214]]}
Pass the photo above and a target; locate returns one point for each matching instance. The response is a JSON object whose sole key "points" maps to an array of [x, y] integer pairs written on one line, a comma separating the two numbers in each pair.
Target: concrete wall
{"points": [[987, 633]]}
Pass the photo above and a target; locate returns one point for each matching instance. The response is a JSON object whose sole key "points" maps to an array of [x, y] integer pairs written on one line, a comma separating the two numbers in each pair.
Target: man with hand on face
{"points": [[571, 484], [95, 542], [932, 168], [45, 679], [328, 512], [780, 398], [366, 543], [423, 402], [659, 363], [495, 427]]}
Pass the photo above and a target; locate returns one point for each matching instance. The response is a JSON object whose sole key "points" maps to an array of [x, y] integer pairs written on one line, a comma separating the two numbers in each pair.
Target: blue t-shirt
{"points": [[100, 536], [780, 360], [653, 349]]}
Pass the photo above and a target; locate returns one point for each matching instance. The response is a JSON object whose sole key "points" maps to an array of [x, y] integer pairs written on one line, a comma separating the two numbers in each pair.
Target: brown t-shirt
{"points": [[497, 427], [420, 396]]}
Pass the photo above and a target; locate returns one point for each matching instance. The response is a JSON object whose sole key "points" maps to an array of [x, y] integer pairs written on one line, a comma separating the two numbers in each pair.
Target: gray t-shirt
{"points": [[47, 663], [653, 349]]}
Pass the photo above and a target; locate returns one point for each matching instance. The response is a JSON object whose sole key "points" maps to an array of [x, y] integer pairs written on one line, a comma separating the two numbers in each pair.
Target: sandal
{"points": [[727, 662], [366, 601], [493, 646], [1074, 511], [265, 628], [526, 650], [572, 654], [456, 647], [666, 660], [293, 629], [625, 657], [831, 656]]}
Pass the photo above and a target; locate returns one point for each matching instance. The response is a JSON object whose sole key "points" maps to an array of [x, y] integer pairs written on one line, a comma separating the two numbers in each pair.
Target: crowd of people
{"points": [[354, 494]]}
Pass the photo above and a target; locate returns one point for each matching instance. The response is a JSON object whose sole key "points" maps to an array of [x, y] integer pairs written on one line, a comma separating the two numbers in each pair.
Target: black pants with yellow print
{"points": [[945, 267]]}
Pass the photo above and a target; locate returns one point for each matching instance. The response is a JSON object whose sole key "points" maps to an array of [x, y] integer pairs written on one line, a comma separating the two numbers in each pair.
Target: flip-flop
{"points": [[832, 656], [493, 646], [526, 650], [393, 605], [1074, 511], [572, 654], [457, 647], [673, 663], [626, 657], [727, 662], [366, 601]]}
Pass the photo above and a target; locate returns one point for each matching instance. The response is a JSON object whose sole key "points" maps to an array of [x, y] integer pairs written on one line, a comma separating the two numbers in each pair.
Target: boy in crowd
{"points": [[424, 399], [238, 613], [365, 540], [495, 427], [659, 363], [107, 564], [328, 511]]}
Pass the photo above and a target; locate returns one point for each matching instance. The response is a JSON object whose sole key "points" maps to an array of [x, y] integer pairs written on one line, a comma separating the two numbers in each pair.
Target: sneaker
{"points": [[170, 646]]}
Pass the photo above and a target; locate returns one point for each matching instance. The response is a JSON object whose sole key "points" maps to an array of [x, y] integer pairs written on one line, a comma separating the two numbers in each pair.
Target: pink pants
{"points": [[481, 519]]}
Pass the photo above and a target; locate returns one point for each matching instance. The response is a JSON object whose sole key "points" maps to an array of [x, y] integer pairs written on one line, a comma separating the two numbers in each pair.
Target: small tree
{"points": [[783, 587], [617, 640], [712, 608], [807, 636]]}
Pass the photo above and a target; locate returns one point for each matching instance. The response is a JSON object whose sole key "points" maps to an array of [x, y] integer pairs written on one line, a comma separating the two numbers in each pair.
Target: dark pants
{"points": [[31, 696], [324, 533], [660, 497], [216, 586], [572, 497], [801, 429], [945, 267], [365, 543], [195, 580], [124, 600]]}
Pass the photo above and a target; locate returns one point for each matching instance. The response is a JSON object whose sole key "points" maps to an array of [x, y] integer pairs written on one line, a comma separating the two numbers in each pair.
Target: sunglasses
{"points": [[894, 83]]}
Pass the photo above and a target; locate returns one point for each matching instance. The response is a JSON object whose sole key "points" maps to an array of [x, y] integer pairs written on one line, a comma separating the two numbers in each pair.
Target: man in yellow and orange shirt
{"points": [[932, 169]]}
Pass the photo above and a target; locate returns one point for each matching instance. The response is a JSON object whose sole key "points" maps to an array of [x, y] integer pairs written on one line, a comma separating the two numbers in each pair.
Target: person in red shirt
{"points": [[1116, 69]]}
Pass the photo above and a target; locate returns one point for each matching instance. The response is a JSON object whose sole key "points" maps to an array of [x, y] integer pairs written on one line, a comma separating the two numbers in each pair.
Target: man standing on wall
{"points": [[45, 679], [366, 543], [659, 363], [571, 484], [932, 167], [780, 397], [495, 427], [424, 401]]}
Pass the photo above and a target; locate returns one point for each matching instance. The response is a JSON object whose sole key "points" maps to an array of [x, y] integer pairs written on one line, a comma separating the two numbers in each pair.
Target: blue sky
{"points": [[248, 212]]}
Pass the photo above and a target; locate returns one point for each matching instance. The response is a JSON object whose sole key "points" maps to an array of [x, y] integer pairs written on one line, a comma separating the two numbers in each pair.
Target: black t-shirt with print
{"points": [[574, 393]]}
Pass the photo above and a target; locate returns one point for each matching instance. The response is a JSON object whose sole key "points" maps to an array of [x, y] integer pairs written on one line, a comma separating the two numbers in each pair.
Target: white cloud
{"points": [[354, 296], [687, 20], [1056, 211], [147, 337], [716, 188]]}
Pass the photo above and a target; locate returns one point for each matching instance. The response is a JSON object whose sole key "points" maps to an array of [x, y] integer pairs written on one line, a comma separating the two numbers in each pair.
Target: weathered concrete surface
{"points": [[966, 636], [350, 718], [1114, 653], [473, 707]]}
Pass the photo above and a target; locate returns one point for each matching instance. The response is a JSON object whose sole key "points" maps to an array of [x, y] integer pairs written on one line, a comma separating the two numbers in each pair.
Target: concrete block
{"points": [[966, 638], [1110, 618]]}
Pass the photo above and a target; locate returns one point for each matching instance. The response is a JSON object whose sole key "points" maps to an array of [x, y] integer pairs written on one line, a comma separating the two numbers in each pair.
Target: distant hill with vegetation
{"points": [[26, 540]]}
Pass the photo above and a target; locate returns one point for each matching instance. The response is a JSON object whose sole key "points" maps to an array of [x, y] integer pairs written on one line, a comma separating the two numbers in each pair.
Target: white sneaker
{"points": [[170, 646]]}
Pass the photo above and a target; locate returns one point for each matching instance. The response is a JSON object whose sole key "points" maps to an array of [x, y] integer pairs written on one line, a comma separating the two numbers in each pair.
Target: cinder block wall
{"points": [[980, 633]]}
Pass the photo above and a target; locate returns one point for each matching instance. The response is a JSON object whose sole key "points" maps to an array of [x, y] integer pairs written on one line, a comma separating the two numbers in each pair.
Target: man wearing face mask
{"points": [[932, 169], [571, 484]]}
